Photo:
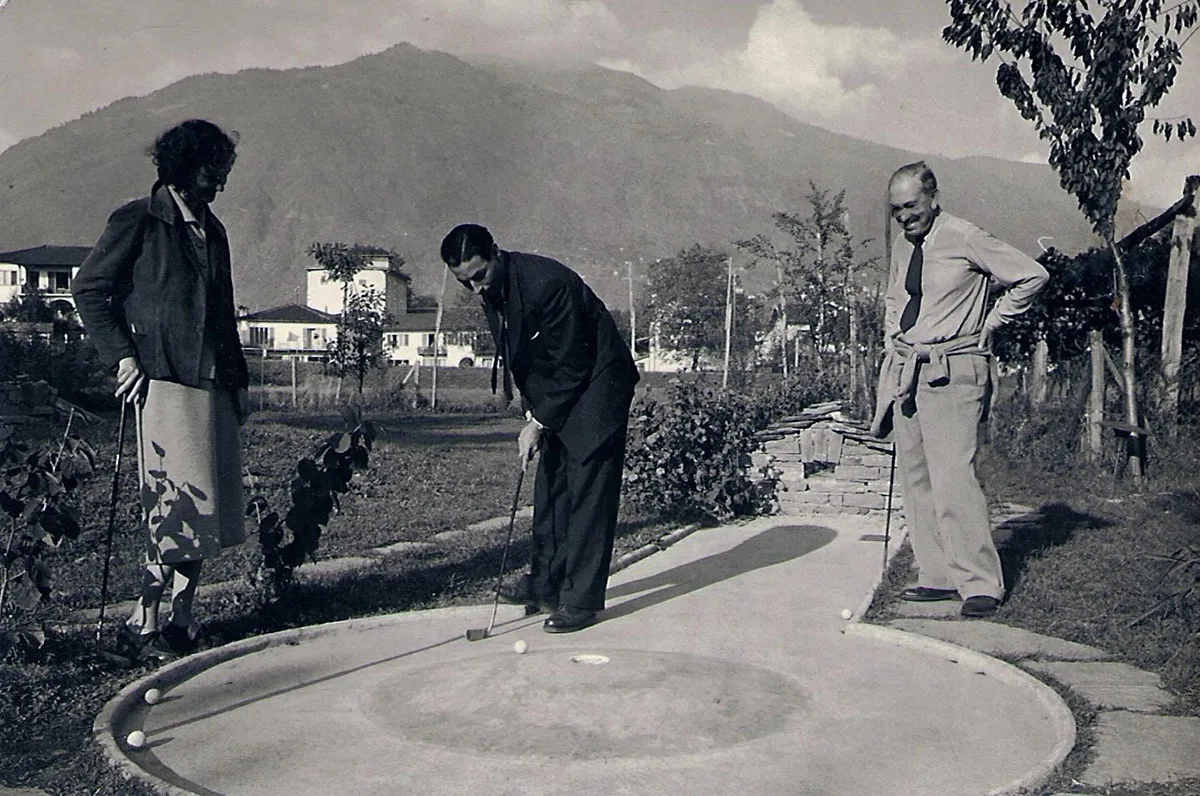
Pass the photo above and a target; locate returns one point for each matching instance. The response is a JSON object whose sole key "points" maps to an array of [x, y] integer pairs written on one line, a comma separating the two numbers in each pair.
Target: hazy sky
{"points": [[874, 69]]}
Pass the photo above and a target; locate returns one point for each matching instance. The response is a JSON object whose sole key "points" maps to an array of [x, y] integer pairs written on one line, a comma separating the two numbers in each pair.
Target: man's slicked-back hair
{"points": [[465, 242], [922, 172], [187, 146]]}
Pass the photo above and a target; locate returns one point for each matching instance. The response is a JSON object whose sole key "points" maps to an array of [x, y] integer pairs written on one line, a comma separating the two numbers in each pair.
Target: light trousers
{"points": [[937, 444]]}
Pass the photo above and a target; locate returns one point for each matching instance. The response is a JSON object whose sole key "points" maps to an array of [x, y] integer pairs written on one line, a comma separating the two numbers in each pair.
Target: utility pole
{"points": [[728, 322], [437, 334], [632, 311]]}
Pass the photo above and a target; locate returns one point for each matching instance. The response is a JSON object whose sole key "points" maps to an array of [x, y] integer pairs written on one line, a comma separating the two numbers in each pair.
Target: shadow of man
{"points": [[773, 546]]}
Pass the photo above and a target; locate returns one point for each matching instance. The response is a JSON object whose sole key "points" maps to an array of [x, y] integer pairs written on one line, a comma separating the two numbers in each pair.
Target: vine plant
{"points": [[315, 488]]}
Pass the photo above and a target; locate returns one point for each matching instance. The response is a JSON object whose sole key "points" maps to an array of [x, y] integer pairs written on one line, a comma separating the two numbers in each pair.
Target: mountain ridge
{"points": [[580, 162]]}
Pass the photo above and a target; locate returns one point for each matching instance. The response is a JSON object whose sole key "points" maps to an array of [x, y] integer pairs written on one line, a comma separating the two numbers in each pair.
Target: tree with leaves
{"points": [[816, 281], [358, 347], [687, 295], [1085, 74]]}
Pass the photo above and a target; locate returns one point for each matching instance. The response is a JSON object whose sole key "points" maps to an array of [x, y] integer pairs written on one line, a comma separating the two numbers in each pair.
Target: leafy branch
{"points": [[314, 490]]}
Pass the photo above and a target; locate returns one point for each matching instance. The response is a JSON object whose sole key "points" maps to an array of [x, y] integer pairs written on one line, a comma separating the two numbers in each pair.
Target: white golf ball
{"points": [[846, 613], [152, 696], [136, 739], [520, 646]]}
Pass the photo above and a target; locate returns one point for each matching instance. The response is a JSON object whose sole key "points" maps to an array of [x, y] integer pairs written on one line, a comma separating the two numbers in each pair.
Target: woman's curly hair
{"points": [[183, 149]]}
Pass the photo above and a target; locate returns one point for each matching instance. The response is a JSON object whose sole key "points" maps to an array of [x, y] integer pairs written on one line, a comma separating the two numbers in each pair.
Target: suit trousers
{"points": [[937, 443], [575, 522]]}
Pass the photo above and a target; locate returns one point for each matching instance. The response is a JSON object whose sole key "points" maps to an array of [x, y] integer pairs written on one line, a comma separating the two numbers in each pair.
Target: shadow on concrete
{"points": [[1020, 539], [773, 546]]}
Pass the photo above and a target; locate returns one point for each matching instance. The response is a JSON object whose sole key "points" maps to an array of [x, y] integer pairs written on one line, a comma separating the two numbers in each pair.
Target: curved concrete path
{"points": [[722, 666]]}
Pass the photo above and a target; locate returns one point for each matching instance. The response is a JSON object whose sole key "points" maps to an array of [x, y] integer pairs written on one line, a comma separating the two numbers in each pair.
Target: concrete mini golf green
{"points": [[721, 667]]}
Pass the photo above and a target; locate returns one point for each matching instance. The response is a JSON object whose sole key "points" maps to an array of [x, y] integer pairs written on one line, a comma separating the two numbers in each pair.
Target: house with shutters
{"points": [[48, 270]]}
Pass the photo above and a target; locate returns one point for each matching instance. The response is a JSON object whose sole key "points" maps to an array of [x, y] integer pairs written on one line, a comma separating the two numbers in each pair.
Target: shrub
{"points": [[689, 454], [37, 488], [314, 493], [71, 367]]}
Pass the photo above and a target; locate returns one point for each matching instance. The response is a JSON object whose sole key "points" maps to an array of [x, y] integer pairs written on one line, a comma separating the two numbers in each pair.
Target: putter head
{"points": [[477, 634]]}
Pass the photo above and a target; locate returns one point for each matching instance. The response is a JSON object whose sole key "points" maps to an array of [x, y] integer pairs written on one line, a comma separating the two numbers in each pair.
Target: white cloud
{"points": [[1157, 175], [800, 64]]}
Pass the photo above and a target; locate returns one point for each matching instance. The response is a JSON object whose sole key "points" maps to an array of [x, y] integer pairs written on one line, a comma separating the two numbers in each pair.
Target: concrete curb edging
{"points": [[1060, 715], [650, 548], [129, 698], [894, 545]]}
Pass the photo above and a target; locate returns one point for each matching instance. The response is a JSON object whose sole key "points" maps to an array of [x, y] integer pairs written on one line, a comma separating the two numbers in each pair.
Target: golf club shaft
{"points": [[512, 520], [112, 516], [887, 523]]}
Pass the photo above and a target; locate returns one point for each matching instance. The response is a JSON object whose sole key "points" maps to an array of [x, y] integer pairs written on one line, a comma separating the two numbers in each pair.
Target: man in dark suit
{"points": [[560, 347]]}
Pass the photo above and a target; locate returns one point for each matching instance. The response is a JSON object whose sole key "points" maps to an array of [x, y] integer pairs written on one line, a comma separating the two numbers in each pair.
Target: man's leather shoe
{"points": [[924, 594], [980, 606], [568, 620]]}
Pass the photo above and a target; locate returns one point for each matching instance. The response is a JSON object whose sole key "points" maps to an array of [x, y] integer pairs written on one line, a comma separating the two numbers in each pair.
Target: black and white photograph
{"points": [[600, 397]]}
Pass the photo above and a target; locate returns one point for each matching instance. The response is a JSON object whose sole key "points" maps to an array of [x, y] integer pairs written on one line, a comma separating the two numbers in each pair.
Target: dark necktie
{"points": [[912, 286], [502, 354]]}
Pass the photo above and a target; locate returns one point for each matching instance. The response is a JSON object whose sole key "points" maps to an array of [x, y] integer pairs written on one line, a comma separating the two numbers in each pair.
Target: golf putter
{"points": [[112, 515], [480, 633], [887, 523]]}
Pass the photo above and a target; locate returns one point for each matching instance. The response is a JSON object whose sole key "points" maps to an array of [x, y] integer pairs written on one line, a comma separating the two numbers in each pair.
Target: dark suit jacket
{"points": [[142, 291], [567, 358]]}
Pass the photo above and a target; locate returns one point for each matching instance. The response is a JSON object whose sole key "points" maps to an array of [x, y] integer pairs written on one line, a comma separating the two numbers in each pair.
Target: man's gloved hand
{"points": [[529, 440]]}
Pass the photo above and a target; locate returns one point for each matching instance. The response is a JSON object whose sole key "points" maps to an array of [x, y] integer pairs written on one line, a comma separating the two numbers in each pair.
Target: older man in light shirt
{"points": [[935, 384]]}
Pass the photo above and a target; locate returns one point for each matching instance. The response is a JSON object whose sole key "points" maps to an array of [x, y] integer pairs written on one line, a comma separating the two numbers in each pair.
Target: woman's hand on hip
{"points": [[131, 381]]}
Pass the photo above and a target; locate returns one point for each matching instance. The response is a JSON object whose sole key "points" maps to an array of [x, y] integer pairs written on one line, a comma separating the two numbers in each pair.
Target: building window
{"points": [[62, 281], [261, 337]]}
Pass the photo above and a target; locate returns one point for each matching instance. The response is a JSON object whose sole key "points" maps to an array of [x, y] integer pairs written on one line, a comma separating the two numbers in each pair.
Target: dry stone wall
{"points": [[827, 463]]}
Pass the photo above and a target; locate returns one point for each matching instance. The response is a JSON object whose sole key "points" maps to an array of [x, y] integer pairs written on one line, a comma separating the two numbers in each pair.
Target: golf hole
{"points": [[593, 660]]}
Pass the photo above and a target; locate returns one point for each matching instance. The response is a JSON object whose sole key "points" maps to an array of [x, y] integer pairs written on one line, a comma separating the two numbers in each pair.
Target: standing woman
{"points": [[156, 298]]}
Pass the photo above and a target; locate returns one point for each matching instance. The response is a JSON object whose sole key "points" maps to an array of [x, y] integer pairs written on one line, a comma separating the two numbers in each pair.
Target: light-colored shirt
{"points": [[208, 356], [189, 218], [960, 263]]}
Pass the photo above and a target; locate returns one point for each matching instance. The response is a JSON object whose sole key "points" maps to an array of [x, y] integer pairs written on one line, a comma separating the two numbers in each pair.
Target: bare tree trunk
{"points": [[1137, 442], [1096, 396]]}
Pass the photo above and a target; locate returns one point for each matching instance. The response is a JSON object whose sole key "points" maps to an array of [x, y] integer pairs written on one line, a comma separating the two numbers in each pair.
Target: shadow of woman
{"points": [[775, 545]]}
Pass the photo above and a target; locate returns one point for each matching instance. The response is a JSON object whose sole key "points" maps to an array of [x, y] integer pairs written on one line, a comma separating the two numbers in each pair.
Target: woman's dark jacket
{"points": [[144, 292]]}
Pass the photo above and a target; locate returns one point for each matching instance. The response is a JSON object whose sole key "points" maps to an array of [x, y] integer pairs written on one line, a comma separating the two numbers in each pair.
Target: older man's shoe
{"points": [[924, 594], [979, 606], [568, 620]]}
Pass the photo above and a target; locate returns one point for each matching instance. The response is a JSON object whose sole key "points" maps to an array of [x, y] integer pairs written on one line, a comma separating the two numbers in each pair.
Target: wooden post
{"points": [[1174, 307], [293, 382], [262, 380], [1039, 373], [1096, 396]]}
